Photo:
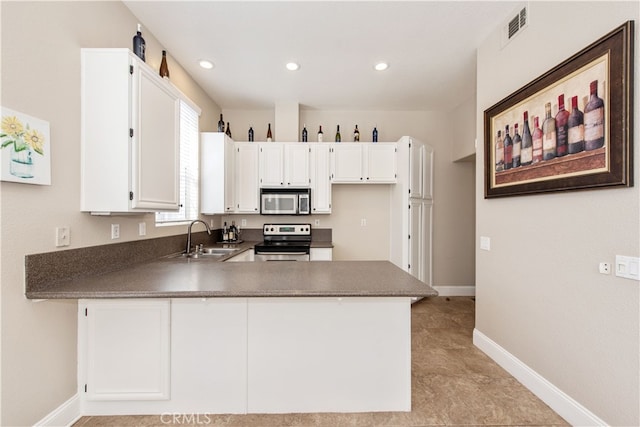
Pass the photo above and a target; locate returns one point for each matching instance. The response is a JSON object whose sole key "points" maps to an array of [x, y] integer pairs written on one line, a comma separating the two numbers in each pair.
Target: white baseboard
{"points": [[64, 415], [573, 412], [456, 291]]}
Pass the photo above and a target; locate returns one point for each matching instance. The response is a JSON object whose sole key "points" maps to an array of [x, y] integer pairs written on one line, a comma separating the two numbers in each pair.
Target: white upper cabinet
{"points": [[246, 178], [364, 163], [217, 167], [284, 165], [320, 174], [130, 139]]}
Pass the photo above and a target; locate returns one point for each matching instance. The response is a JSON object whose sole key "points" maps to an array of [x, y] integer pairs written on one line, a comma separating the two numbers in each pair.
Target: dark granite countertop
{"points": [[176, 277]]}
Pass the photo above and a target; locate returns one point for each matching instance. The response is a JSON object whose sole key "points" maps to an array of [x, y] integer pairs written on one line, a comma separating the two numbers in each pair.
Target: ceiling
{"points": [[430, 47]]}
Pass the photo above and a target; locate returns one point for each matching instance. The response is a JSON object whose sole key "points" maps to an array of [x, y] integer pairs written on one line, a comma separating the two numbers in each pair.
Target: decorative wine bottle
{"points": [[548, 134], [576, 128], [537, 141], [139, 45], [320, 134], [164, 68], [594, 120], [517, 147], [499, 152], [356, 134], [508, 149], [304, 133], [250, 134], [562, 128], [220, 124], [526, 154], [269, 135], [228, 131], [338, 137], [374, 137]]}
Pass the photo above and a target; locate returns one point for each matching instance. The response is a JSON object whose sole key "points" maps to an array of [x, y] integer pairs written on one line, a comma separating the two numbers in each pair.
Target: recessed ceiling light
{"points": [[206, 64], [381, 66], [292, 66]]}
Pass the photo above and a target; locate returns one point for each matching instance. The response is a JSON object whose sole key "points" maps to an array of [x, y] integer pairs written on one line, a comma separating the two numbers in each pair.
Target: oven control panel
{"points": [[286, 230]]}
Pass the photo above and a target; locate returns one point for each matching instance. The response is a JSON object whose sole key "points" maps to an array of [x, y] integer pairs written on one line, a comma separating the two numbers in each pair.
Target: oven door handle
{"points": [[282, 253]]}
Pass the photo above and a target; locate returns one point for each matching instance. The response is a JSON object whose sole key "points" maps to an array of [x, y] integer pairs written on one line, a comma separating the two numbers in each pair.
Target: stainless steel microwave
{"points": [[285, 201]]}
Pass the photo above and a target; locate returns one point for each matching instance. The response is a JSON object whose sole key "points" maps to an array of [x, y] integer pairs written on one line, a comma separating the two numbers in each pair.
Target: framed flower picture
{"points": [[26, 148]]}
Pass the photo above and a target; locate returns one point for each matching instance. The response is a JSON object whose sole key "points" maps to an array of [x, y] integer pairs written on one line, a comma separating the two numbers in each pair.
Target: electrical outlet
{"points": [[243, 222], [115, 231], [142, 228], [317, 222], [63, 237], [485, 243], [604, 268], [363, 222]]}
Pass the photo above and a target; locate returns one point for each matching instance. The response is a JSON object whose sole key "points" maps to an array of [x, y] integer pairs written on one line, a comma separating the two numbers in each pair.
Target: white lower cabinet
{"points": [[246, 256], [320, 254], [126, 349], [244, 355]]}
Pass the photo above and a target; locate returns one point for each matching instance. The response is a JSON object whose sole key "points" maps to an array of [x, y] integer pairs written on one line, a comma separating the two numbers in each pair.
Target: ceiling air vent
{"points": [[515, 25]]}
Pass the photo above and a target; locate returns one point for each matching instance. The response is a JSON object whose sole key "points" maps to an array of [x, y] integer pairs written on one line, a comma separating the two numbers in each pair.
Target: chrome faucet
{"points": [[188, 249]]}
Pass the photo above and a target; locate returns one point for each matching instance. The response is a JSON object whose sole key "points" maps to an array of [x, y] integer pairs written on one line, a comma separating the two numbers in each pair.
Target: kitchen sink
{"points": [[206, 253]]}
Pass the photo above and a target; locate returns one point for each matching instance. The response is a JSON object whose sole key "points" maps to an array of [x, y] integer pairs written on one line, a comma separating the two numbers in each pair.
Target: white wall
{"points": [[539, 294], [41, 77]]}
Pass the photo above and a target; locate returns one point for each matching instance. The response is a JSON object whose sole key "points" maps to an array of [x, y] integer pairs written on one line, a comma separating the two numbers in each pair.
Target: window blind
{"points": [[189, 172]]}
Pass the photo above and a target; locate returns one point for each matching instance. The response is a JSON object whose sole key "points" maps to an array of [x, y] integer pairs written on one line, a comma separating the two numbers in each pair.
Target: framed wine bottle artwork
{"points": [[569, 129]]}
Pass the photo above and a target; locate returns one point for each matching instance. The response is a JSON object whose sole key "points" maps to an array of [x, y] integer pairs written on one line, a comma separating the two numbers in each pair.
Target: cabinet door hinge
{"points": [[130, 132], [409, 266], [86, 312], [130, 69], [409, 237], [130, 195], [85, 388]]}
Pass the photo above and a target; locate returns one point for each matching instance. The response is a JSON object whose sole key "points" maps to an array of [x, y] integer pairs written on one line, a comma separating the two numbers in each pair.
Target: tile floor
{"points": [[453, 384]]}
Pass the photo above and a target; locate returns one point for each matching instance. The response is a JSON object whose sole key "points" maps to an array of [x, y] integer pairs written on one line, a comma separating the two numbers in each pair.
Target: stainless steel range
{"points": [[284, 242]]}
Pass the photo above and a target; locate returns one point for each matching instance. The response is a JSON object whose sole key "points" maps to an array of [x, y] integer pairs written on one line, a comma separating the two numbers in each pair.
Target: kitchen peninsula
{"points": [[199, 336]]}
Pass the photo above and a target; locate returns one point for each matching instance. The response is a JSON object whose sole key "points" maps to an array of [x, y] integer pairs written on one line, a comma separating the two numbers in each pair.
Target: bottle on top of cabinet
{"points": [[164, 68], [375, 135], [269, 135], [338, 137], [220, 124], [228, 131], [250, 139], [304, 133], [356, 134], [320, 134], [139, 45]]}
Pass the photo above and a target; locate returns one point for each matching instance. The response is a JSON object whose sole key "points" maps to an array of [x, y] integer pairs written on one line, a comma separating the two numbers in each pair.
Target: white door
{"points": [[155, 144], [246, 173], [229, 176], [347, 163], [380, 163], [271, 165], [296, 164], [416, 230], [127, 349], [420, 245], [320, 170]]}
